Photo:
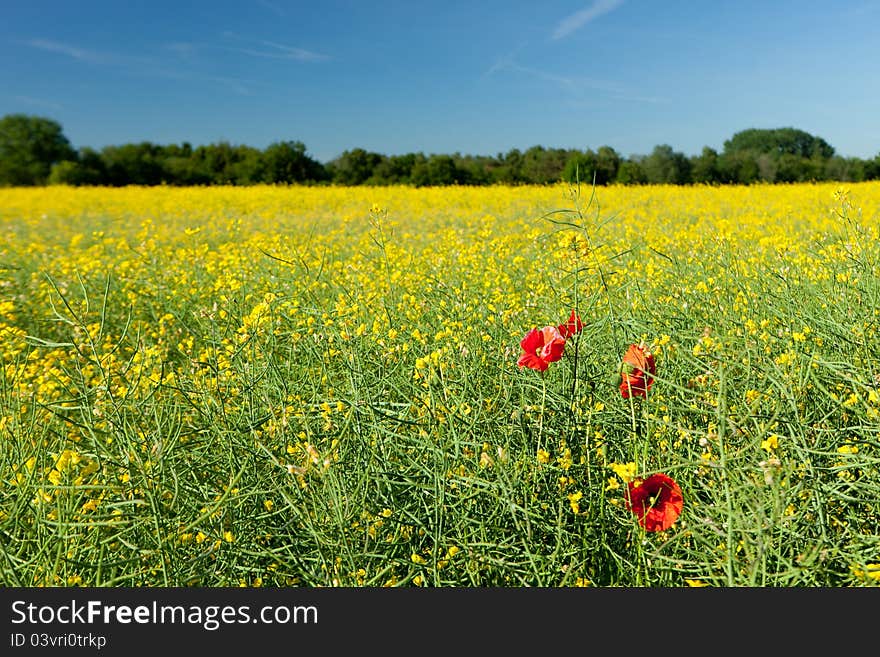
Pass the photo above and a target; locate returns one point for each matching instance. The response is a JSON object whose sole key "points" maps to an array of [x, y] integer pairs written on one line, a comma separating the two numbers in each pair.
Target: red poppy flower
{"points": [[541, 347], [656, 501], [640, 358], [638, 371], [573, 326], [634, 384]]}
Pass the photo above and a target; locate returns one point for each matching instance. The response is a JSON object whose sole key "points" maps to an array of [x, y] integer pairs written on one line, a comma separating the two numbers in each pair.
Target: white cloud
{"points": [[149, 67], [272, 50], [272, 7], [181, 48], [576, 88], [64, 49], [577, 20], [38, 102], [299, 54], [84, 55]]}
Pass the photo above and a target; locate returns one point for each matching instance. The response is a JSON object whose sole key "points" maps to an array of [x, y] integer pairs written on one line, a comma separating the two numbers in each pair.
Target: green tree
{"points": [[508, 169], [394, 170], [779, 141], [872, 168], [666, 166], [87, 169], [437, 170], [607, 165], [180, 166], [847, 169], [476, 169], [739, 168], [287, 162], [354, 167], [133, 164], [225, 164], [580, 167], [541, 166], [65, 172], [787, 168], [29, 146], [246, 166], [704, 167], [631, 171], [587, 167]]}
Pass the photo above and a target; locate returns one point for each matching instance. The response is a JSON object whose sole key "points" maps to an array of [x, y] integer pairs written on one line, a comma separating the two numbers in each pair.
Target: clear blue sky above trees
{"points": [[444, 77]]}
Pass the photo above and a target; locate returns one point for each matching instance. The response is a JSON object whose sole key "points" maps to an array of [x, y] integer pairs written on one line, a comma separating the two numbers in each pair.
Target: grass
{"points": [[282, 387]]}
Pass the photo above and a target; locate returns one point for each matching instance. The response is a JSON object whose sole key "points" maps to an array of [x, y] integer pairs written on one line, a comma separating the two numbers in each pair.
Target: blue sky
{"points": [[444, 77]]}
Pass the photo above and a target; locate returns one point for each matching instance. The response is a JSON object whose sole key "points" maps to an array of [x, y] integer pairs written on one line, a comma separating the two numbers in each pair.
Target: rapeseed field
{"points": [[459, 386]]}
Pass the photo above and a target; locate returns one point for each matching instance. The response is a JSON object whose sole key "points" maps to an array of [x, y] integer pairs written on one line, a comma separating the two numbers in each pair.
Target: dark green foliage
{"points": [[181, 168], [607, 165], [666, 166], [33, 151], [705, 168], [601, 167], [438, 170], [477, 170], [287, 162], [778, 155], [631, 172], [395, 170], [225, 164], [580, 167], [133, 164], [509, 168], [847, 169], [737, 168], [87, 169], [353, 167], [29, 146], [872, 168], [779, 141], [544, 165]]}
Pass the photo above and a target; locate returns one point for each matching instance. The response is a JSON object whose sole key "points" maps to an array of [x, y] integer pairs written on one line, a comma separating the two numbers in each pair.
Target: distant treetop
{"points": [[34, 151], [779, 141]]}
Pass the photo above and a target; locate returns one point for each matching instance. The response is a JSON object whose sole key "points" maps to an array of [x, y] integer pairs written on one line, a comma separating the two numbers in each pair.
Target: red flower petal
{"points": [[637, 372], [636, 384], [553, 351], [638, 357], [573, 326], [532, 361], [554, 344], [541, 347], [532, 341], [657, 502]]}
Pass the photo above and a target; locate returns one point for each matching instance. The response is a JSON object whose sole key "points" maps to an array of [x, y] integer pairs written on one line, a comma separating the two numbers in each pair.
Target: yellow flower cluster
{"points": [[375, 307]]}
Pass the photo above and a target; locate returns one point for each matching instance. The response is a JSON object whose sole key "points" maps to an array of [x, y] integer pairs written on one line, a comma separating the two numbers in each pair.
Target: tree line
{"points": [[34, 151]]}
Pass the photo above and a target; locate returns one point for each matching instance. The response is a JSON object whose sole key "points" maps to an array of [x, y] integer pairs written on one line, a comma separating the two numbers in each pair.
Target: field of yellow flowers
{"points": [[493, 386]]}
